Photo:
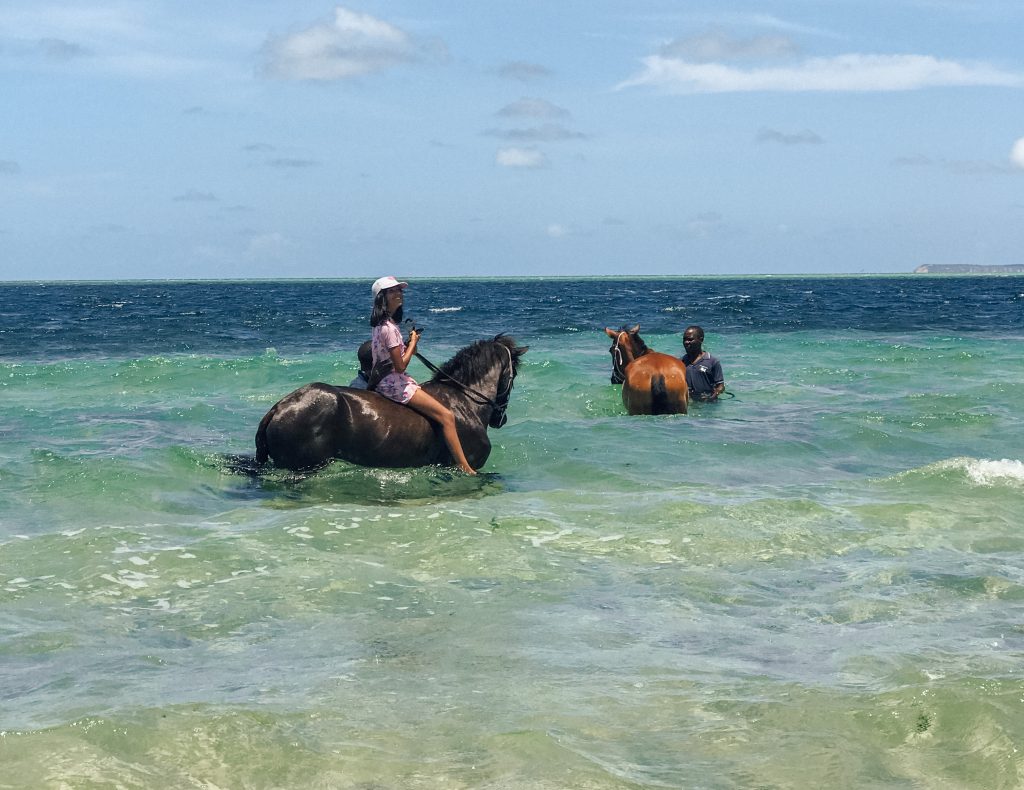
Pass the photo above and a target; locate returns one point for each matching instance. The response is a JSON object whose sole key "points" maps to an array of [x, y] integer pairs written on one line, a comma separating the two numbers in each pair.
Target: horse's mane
{"points": [[474, 361]]}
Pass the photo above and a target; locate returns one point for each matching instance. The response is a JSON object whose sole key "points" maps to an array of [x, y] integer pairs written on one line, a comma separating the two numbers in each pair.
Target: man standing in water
{"points": [[703, 372]]}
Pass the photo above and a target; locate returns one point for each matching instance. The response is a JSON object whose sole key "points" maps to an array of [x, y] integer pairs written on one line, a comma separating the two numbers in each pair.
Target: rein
{"points": [[478, 396]]}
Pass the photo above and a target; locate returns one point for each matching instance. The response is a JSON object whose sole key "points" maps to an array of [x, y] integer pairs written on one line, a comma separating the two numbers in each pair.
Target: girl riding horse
{"points": [[390, 351]]}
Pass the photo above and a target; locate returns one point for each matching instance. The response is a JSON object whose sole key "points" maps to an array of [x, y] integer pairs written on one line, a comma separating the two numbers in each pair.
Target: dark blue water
{"points": [[129, 319]]}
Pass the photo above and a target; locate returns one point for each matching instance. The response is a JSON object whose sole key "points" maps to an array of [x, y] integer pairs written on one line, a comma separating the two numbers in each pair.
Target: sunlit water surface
{"points": [[816, 583]]}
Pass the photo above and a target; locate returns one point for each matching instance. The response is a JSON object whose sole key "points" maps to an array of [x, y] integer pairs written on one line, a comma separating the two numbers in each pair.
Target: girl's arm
{"points": [[400, 360]]}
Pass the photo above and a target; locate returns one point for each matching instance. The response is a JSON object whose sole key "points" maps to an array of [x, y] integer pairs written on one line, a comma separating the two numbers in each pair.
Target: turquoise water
{"points": [[817, 582]]}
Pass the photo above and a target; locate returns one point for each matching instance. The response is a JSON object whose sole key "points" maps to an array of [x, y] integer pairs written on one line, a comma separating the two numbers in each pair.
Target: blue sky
{"points": [[305, 139]]}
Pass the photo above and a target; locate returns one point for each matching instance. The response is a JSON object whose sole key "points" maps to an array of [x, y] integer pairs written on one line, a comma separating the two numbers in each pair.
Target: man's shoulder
{"points": [[704, 360]]}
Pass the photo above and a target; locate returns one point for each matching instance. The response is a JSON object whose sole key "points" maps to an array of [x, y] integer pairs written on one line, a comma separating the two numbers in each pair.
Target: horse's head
{"points": [[627, 345], [507, 380]]}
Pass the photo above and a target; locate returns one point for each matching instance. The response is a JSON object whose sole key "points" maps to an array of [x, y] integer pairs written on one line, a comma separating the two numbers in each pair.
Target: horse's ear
{"points": [[611, 333], [635, 330], [520, 350]]}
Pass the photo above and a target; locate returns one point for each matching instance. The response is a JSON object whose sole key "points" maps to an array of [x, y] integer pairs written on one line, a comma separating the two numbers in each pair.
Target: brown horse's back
{"points": [[655, 384]]}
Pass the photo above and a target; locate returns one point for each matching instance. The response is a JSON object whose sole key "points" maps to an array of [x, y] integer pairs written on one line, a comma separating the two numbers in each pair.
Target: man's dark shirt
{"points": [[703, 375]]}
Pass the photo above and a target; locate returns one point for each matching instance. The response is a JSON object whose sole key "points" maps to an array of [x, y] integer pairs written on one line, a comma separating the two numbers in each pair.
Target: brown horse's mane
{"points": [[474, 361]]}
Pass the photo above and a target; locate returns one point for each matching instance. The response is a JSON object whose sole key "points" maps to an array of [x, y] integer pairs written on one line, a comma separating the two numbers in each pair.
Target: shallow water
{"points": [[816, 582]]}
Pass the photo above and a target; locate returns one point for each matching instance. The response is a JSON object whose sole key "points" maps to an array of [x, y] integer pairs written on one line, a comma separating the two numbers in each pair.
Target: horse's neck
{"points": [[486, 385], [629, 355]]}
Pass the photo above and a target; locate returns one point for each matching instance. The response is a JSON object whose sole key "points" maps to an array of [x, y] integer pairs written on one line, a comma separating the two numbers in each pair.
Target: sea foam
{"points": [[985, 472]]}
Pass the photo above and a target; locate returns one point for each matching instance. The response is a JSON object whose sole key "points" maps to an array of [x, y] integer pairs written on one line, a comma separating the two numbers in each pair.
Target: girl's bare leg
{"points": [[432, 409]]}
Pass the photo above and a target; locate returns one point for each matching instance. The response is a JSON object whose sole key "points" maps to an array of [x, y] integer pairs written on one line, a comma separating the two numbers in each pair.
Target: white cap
{"points": [[383, 283]]}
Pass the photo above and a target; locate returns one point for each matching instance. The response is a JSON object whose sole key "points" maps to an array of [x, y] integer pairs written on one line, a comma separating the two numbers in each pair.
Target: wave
{"points": [[986, 473], [979, 471], [445, 309]]}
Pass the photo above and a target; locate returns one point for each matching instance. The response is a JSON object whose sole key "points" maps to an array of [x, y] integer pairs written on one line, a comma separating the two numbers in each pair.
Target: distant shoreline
{"points": [[968, 268], [925, 269]]}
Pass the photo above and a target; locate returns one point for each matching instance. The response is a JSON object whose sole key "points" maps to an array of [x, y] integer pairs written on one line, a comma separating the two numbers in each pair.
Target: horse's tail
{"points": [[661, 403], [262, 452]]}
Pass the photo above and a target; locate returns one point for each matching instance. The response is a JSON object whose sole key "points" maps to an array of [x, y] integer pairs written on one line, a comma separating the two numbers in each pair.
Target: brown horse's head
{"points": [[627, 345]]}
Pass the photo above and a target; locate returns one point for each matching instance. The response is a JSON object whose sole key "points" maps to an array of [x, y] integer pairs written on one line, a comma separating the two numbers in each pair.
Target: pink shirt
{"points": [[395, 386]]}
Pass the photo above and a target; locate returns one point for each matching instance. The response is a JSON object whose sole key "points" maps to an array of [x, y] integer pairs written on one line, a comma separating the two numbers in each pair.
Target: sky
{"points": [[267, 139]]}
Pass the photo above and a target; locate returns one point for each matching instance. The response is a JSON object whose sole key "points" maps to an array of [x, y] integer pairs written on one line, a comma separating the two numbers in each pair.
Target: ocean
{"points": [[817, 582]]}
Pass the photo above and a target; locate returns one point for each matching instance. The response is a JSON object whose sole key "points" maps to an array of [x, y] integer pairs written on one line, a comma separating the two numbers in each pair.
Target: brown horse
{"points": [[320, 422], [652, 382]]}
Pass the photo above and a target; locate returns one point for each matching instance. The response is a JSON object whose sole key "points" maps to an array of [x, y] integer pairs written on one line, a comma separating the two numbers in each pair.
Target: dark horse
{"points": [[320, 422], [652, 382]]}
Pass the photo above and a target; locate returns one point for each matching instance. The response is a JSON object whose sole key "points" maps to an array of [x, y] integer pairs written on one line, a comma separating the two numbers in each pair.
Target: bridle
{"points": [[498, 404], [618, 366]]}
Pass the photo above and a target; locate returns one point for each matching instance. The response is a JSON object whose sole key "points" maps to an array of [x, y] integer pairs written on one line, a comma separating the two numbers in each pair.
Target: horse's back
{"points": [[656, 384], [320, 422], [296, 432]]}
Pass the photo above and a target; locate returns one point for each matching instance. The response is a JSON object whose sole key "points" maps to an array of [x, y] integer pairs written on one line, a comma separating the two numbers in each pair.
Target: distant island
{"points": [[968, 268]]}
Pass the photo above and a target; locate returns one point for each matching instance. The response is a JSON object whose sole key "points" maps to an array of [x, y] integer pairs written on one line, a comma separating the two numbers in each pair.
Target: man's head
{"points": [[365, 354], [693, 338]]}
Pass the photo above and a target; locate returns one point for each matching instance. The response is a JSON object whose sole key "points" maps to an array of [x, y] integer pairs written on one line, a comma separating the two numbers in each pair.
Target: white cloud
{"points": [[837, 74], [557, 231], [1017, 154], [349, 45], [521, 157]]}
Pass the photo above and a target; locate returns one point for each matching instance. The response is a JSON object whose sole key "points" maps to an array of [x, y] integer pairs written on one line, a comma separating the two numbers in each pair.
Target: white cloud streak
{"points": [[349, 45], [1017, 154], [842, 73]]}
